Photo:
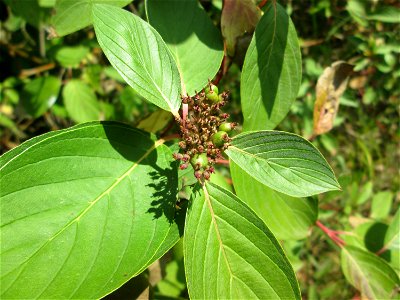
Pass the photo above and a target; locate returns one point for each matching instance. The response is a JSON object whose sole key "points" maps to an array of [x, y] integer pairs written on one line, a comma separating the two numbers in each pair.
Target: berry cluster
{"points": [[204, 131]]}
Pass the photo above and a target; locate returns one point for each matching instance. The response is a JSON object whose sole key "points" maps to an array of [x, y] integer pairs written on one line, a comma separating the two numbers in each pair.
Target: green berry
{"points": [[200, 160], [213, 97], [219, 138], [211, 88], [227, 127]]}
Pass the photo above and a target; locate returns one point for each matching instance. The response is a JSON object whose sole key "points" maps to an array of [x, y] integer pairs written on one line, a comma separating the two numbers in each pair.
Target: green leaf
{"points": [[392, 242], [381, 204], [74, 15], [392, 237], [271, 74], [40, 94], [230, 253], [283, 161], [386, 14], [83, 210], [71, 56], [287, 217], [80, 101], [368, 273], [139, 54], [30, 11], [194, 41]]}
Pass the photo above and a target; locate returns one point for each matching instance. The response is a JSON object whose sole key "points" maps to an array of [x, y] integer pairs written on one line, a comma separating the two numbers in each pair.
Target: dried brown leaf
{"points": [[330, 87]]}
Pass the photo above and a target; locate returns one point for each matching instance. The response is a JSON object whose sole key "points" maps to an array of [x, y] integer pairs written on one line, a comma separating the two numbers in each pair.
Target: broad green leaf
{"points": [[287, 217], [239, 17], [40, 94], [80, 101], [392, 237], [271, 74], [381, 204], [283, 161], [194, 41], [83, 210], [368, 273], [73, 15], [139, 54], [230, 253], [71, 56]]}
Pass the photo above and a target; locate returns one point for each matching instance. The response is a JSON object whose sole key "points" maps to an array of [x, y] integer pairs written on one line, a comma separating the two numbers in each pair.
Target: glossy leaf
{"points": [[271, 74], [370, 274], [194, 41], [80, 101], [230, 253], [330, 87], [287, 217], [238, 17], [83, 210], [139, 54], [284, 162], [40, 94], [71, 16]]}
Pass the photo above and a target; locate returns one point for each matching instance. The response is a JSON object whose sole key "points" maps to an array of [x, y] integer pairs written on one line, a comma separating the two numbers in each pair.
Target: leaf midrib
{"points": [[221, 245]]}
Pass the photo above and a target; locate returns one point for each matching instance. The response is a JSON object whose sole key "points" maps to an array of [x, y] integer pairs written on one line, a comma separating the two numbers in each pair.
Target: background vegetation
{"points": [[50, 84]]}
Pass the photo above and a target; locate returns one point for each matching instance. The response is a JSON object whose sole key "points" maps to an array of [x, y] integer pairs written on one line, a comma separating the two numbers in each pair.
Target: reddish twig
{"points": [[222, 161], [262, 3], [34, 71], [332, 234], [381, 251]]}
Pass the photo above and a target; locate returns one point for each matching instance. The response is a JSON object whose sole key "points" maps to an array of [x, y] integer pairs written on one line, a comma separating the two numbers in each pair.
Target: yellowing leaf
{"points": [[330, 86]]}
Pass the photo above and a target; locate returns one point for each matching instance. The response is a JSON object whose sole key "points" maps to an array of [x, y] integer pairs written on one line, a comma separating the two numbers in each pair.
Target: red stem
{"points": [[185, 108], [222, 161], [332, 234], [382, 250], [262, 3]]}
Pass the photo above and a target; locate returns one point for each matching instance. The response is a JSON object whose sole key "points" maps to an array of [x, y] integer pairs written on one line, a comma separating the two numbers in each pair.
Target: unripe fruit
{"points": [[211, 92], [227, 127], [200, 160], [219, 138], [213, 97], [211, 88]]}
